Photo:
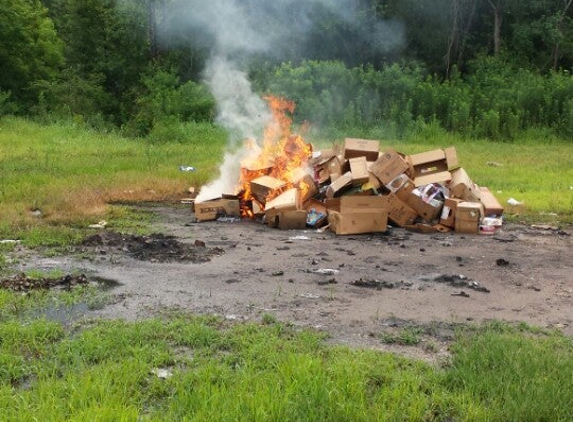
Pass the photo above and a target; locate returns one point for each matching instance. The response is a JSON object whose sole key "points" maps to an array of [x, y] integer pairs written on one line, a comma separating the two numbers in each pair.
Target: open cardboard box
{"points": [[433, 166], [361, 148]]}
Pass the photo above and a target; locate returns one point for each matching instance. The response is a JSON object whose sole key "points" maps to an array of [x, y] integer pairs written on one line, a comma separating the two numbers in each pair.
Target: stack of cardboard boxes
{"points": [[360, 188]]}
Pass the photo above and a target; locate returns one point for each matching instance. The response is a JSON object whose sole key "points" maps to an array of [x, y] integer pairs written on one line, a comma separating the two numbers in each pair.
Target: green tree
{"points": [[30, 50]]}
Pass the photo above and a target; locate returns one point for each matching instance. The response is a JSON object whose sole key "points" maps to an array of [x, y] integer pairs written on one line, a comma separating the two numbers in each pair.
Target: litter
{"points": [[514, 202], [186, 168], [325, 271]]}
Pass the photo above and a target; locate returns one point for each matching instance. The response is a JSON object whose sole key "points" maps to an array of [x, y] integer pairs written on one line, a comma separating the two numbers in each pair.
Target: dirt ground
{"points": [[362, 289]]}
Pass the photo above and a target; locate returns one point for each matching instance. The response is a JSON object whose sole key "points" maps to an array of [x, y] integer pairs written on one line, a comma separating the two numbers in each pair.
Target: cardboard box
{"points": [[388, 166], [468, 217], [263, 186], [356, 203], [448, 215], [371, 221], [305, 184], [404, 192], [441, 177], [432, 162], [399, 212], [253, 171], [286, 219], [324, 169], [359, 170], [491, 205], [373, 182], [289, 199], [399, 182], [339, 185], [211, 210], [361, 148], [462, 187], [316, 214], [427, 208]]}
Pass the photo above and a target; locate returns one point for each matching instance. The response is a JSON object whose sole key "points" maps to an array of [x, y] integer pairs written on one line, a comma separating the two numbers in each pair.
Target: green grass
{"points": [[72, 174], [104, 371]]}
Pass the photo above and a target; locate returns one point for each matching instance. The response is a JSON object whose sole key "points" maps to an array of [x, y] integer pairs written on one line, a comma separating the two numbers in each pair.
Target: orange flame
{"points": [[282, 156]]}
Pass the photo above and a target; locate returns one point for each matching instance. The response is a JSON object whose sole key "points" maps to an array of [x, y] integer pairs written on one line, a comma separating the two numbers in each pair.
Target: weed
{"points": [[408, 336], [268, 319]]}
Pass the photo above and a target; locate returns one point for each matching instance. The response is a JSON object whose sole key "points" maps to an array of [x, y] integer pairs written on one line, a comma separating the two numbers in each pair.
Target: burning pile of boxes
{"points": [[361, 189]]}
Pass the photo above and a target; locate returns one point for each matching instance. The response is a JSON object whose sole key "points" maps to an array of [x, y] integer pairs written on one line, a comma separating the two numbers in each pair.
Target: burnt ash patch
{"points": [[22, 283], [155, 247]]}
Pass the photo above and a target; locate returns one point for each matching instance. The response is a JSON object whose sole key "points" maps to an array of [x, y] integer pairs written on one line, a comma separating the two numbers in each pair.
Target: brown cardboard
{"points": [[399, 212], [263, 186], [286, 219], [373, 182], [468, 217], [356, 203], [388, 166], [361, 148], [448, 216], [398, 183], [211, 210], [491, 205], [427, 210], [451, 158], [435, 161], [371, 221], [305, 184], [338, 185], [289, 199], [359, 170], [440, 177], [328, 167], [461, 186], [404, 192]]}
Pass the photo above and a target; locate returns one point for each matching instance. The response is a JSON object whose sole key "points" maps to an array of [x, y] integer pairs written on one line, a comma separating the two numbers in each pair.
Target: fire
{"points": [[283, 156]]}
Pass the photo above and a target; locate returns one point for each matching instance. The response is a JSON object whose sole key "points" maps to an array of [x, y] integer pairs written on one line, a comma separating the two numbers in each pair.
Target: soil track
{"points": [[358, 288]]}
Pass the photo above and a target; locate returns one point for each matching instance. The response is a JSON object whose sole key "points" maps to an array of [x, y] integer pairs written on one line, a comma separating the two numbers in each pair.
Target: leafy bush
{"points": [[495, 100], [166, 101]]}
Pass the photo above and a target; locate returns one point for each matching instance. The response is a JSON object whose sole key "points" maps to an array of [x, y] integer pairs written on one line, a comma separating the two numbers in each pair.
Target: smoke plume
{"points": [[236, 30]]}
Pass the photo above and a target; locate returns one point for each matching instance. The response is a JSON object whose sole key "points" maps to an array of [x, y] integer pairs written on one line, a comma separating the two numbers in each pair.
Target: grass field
{"points": [[183, 368], [55, 180]]}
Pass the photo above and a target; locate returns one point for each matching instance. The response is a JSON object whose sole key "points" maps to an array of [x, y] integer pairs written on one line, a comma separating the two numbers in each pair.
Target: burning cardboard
{"points": [[356, 191], [265, 186]]}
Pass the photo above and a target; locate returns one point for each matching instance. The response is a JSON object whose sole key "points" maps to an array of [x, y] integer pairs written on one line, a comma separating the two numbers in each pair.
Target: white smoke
{"points": [[235, 30]]}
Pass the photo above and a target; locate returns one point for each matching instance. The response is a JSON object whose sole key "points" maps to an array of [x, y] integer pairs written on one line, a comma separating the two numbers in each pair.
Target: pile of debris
{"points": [[359, 188]]}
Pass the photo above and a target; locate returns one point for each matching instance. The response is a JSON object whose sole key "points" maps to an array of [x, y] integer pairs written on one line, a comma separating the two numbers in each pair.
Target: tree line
{"points": [[491, 68]]}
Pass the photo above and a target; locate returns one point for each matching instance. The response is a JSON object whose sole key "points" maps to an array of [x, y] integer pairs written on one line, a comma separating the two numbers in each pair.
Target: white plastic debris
{"points": [[162, 373], [186, 168], [9, 242], [100, 225], [299, 238], [513, 201], [325, 271]]}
